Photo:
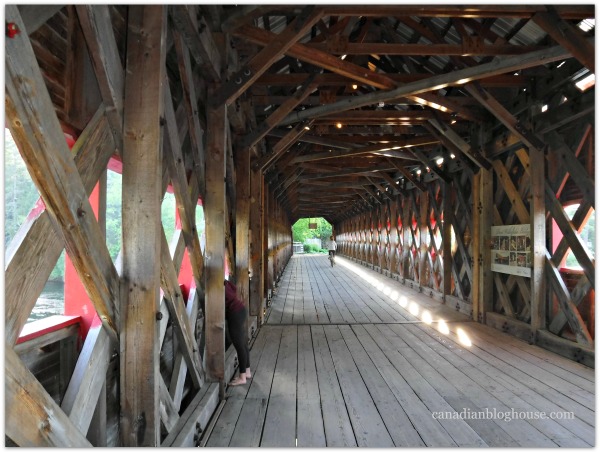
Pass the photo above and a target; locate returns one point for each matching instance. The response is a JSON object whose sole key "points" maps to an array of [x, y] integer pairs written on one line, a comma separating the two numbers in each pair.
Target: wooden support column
{"points": [[538, 240], [423, 238], [256, 245], [242, 223], [266, 243], [406, 225], [484, 210], [477, 253], [142, 177], [214, 214], [447, 238]]}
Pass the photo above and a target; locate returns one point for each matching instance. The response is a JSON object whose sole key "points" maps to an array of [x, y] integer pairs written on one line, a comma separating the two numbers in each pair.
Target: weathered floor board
{"points": [[345, 359]]}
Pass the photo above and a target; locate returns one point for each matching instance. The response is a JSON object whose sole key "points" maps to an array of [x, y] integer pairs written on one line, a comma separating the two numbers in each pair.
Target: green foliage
{"points": [[20, 194], [588, 236], [311, 248], [301, 232]]}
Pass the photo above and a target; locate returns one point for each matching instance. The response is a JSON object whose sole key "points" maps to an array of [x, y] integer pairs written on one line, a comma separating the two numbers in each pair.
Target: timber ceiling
{"points": [[346, 106]]}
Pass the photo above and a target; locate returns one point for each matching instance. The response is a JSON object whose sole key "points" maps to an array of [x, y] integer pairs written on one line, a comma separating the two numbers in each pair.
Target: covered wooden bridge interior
{"points": [[412, 129]]}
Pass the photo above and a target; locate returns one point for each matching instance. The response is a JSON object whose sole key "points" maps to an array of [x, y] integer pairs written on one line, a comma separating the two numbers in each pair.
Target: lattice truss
{"points": [[65, 180], [569, 178], [460, 200], [403, 235]]}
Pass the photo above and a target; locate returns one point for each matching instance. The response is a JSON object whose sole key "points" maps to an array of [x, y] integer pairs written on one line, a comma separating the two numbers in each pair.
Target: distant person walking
{"points": [[332, 247]]}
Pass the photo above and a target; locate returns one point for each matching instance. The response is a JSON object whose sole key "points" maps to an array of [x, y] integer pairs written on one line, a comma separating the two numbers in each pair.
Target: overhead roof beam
{"points": [[567, 35], [436, 82], [274, 50]]}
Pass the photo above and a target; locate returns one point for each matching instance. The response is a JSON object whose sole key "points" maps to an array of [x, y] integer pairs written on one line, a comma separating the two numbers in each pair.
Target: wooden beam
{"points": [[178, 378], [36, 130], [446, 227], [511, 191], [407, 174], [282, 146], [574, 240], [538, 239], [569, 309], [436, 82], [190, 101], [423, 220], [259, 63], [34, 16], [481, 11], [89, 376], [97, 28], [567, 35], [504, 116], [318, 58], [38, 242], [174, 300], [332, 79], [578, 294], [32, 418], [142, 176], [483, 209], [397, 49], [201, 43], [214, 214], [475, 156], [186, 206], [385, 149], [286, 107], [242, 224]]}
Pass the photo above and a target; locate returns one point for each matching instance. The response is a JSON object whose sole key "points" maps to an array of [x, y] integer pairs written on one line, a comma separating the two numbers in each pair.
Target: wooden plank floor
{"points": [[346, 359]]}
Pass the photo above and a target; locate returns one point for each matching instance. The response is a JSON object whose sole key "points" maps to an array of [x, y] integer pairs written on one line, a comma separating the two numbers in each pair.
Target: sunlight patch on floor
{"points": [[413, 307]]}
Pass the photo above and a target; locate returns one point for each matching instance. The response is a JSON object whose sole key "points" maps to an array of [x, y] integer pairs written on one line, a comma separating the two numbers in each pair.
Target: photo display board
{"points": [[511, 249]]}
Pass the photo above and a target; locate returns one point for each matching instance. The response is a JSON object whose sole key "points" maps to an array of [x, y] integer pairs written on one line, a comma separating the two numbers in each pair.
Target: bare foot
{"points": [[240, 380], [248, 374]]}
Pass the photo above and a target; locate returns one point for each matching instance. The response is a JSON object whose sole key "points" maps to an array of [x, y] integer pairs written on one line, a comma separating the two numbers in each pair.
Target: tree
{"points": [[301, 232]]}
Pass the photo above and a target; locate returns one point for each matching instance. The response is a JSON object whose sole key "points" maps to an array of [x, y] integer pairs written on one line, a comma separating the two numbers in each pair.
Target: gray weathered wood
{"points": [[214, 212], [40, 140], [538, 239], [175, 303], [338, 428], [369, 428], [499, 66], [96, 24], [88, 378], [280, 420], [32, 418], [142, 176], [310, 431], [256, 244]]}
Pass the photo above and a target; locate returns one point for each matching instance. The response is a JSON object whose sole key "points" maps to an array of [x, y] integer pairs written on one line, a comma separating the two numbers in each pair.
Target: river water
{"points": [[51, 301]]}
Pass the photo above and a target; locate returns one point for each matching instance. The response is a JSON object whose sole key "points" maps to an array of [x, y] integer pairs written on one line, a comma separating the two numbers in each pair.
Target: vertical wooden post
{"points": [[447, 239], [142, 176], [242, 223], [256, 258], [214, 214], [406, 225], [477, 253], [423, 238], [538, 240], [266, 244], [485, 210]]}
